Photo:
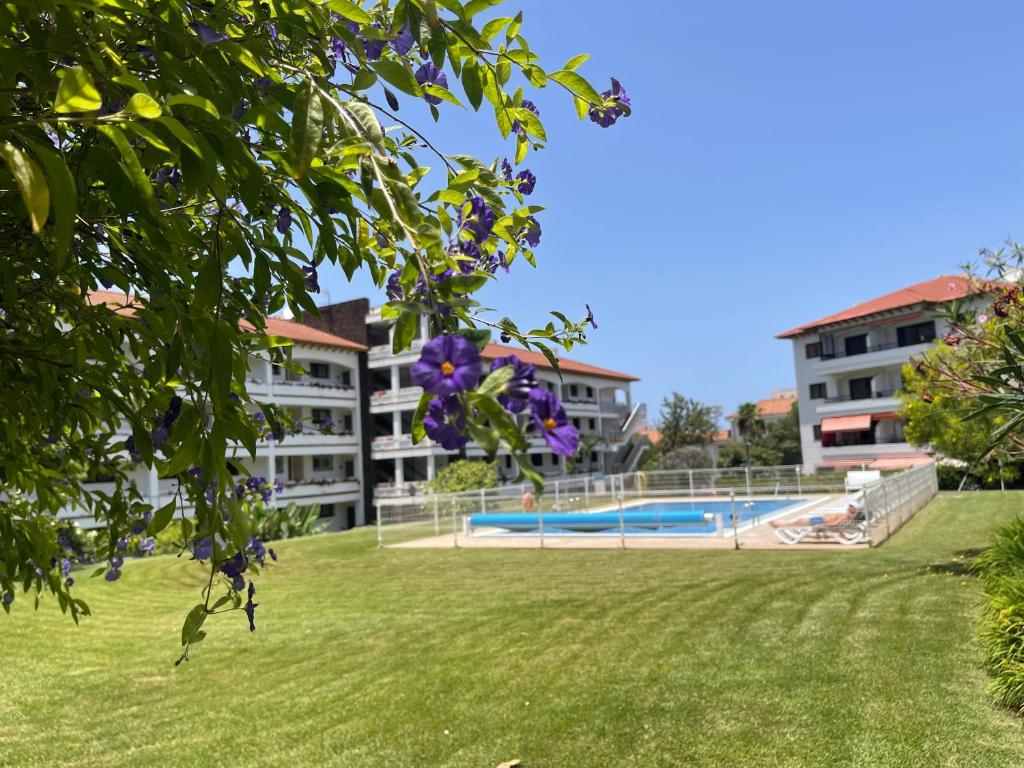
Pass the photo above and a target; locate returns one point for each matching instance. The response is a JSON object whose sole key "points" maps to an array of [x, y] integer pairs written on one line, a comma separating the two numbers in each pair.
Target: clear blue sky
{"points": [[784, 160]]}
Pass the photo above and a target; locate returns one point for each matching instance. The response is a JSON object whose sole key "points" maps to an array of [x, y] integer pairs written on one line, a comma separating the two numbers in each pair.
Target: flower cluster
{"points": [[616, 104], [258, 485], [161, 432], [451, 364]]}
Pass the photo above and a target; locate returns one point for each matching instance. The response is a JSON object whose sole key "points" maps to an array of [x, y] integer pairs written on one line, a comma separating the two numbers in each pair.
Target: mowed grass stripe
{"points": [[364, 658]]}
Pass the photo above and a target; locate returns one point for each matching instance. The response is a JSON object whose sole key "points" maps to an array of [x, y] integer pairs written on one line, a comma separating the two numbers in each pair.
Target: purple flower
{"points": [[428, 74], [394, 289], [506, 169], [403, 41], [259, 552], [250, 607], [141, 523], [339, 51], [278, 486], [69, 582], [526, 182], [65, 566], [477, 218], [160, 436], [550, 420], [515, 394], [590, 317], [447, 364], [234, 568], [7, 598], [116, 562], [173, 411], [616, 104], [311, 278], [445, 422], [284, 220], [133, 453], [113, 574], [273, 554], [527, 104], [121, 544], [147, 546], [531, 232], [207, 35], [505, 338], [202, 548]]}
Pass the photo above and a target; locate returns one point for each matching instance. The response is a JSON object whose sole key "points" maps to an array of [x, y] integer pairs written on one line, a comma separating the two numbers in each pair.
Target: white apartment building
{"points": [[849, 367], [597, 401], [321, 461]]}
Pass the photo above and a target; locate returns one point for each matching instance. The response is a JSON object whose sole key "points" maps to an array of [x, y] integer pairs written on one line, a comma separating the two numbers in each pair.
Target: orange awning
{"points": [[900, 462], [859, 423], [887, 415]]}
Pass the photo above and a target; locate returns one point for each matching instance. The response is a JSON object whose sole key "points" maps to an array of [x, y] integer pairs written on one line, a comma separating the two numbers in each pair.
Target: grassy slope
{"points": [[563, 659]]}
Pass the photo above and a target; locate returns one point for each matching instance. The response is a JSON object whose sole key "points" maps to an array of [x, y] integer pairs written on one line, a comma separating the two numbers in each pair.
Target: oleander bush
{"points": [[1001, 568]]}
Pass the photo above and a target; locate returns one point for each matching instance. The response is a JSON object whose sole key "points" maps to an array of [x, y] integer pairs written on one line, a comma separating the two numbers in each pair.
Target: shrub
{"points": [[1001, 568], [290, 522], [464, 475]]}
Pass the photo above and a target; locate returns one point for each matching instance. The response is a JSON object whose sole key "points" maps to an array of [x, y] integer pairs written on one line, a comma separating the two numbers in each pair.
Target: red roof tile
{"points": [[937, 291], [276, 326], [654, 435], [492, 351]]}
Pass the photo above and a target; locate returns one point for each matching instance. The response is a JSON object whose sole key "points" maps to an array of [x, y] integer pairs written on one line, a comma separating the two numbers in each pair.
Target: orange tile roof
{"points": [[654, 435], [942, 289], [492, 351], [776, 406], [722, 436], [290, 329]]}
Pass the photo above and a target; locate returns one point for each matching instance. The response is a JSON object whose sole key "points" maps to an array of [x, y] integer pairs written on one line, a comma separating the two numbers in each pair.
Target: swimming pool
{"points": [[655, 518]]}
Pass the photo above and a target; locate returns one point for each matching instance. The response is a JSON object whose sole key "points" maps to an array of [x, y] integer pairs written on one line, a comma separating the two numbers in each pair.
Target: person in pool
{"points": [[528, 501]]}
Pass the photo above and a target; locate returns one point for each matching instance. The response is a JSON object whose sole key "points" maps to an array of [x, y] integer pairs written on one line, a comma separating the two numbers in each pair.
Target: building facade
{"points": [[848, 369], [597, 401], [320, 461]]}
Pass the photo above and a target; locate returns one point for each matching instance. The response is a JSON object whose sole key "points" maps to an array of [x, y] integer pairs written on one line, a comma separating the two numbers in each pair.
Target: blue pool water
{"points": [[656, 518]]}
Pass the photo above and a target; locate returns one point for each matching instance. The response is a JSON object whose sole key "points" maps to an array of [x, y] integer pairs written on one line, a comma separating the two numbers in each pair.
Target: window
{"points": [[856, 345], [350, 468], [573, 390], [320, 370], [813, 350], [537, 459], [590, 393], [323, 463], [919, 333], [346, 378], [593, 457], [320, 415], [326, 510], [279, 465], [576, 423], [818, 392], [817, 432], [554, 459], [346, 422], [277, 370], [860, 389], [592, 423]]}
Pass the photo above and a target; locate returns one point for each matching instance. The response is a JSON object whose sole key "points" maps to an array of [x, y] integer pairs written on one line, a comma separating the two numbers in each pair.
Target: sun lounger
{"points": [[849, 527]]}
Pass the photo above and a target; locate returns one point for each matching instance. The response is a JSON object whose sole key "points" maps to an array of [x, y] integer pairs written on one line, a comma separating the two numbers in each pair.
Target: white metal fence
{"points": [[889, 501]]}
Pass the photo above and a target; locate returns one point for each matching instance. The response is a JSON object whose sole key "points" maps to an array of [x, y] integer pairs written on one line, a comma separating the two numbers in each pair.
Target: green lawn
{"points": [[563, 659]]}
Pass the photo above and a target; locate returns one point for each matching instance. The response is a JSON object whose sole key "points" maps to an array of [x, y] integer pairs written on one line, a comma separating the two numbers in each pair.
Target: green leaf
{"points": [[31, 183], [577, 84], [369, 128], [350, 11], [161, 518], [405, 331], [193, 622], [77, 93], [133, 170], [575, 61], [64, 197], [195, 101], [471, 84], [398, 75], [307, 130], [144, 105], [494, 383], [418, 432]]}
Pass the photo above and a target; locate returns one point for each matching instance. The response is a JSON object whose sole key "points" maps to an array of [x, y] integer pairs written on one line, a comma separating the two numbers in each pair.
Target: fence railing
{"points": [[892, 501], [889, 501]]}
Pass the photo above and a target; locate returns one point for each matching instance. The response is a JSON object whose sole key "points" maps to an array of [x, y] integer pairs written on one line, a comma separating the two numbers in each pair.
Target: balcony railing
{"points": [[867, 350], [848, 398], [309, 381]]}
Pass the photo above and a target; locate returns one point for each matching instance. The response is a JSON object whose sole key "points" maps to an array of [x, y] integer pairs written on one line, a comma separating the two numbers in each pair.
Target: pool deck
{"points": [[750, 537]]}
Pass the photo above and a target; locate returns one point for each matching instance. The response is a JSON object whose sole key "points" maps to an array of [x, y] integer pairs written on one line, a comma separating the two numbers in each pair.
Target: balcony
{"points": [[303, 442], [872, 357], [883, 401], [309, 387], [311, 490], [387, 397], [582, 404], [382, 354]]}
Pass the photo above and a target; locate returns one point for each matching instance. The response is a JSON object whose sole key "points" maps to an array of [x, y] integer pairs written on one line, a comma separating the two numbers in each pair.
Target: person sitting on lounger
{"points": [[854, 511]]}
